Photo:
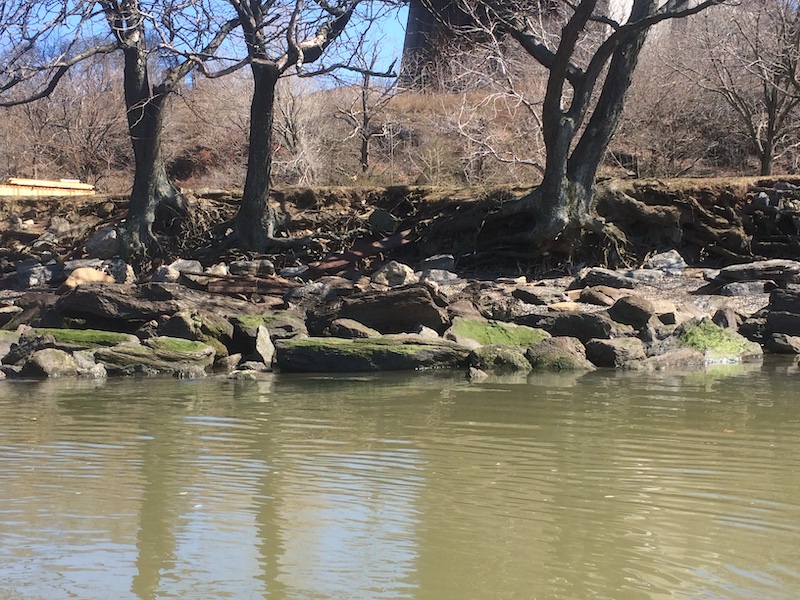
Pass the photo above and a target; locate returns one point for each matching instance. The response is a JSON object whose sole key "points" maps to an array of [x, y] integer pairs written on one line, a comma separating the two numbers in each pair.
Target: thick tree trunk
{"points": [[151, 186], [254, 223], [563, 204]]}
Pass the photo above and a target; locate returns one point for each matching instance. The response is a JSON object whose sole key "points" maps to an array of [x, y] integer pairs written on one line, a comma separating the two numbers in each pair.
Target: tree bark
{"points": [[255, 222], [151, 186]]}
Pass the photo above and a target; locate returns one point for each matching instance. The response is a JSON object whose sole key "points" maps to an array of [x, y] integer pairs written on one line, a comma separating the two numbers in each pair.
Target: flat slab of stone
{"points": [[777, 269], [600, 276], [583, 326], [396, 353]]}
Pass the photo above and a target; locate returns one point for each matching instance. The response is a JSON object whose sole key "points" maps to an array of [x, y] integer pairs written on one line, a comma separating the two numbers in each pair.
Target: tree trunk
{"points": [[254, 223], [151, 186], [562, 205]]}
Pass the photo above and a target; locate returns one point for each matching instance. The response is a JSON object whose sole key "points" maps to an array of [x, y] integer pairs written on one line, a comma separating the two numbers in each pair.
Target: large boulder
{"points": [[583, 326], [615, 354], [396, 310], [397, 353], [559, 354], [500, 359], [632, 310], [175, 356], [717, 344], [202, 326], [50, 362]]}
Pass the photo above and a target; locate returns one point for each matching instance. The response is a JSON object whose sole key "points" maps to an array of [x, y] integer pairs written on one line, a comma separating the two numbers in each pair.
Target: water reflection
{"points": [[606, 485]]}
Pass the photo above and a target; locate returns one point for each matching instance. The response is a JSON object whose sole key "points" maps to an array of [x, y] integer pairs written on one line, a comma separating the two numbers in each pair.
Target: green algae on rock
{"points": [[718, 344], [497, 333], [390, 353]]}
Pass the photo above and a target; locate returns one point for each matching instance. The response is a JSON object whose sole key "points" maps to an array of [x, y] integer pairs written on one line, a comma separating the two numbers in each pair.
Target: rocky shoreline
{"points": [[378, 294], [88, 318]]}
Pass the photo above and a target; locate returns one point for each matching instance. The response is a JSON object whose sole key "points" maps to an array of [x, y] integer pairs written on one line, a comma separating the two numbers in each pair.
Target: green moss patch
{"points": [[178, 345], [495, 333], [85, 337], [715, 341]]}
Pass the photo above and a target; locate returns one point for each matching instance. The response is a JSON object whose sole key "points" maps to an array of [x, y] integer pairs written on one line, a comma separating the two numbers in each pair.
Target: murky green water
{"points": [[604, 486]]}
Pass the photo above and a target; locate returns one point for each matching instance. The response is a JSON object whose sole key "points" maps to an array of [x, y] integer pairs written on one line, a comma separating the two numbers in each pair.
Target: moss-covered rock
{"points": [[395, 353], [718, 344], [200, 325], [559, 354], [499, 358], [159, 355], [85, 338], [497, 333]]}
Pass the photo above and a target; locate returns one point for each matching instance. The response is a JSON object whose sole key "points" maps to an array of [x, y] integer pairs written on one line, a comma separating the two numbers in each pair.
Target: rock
{"points": [[104, 244], [50, 362], [350, 329], [183, 358], [500, 359], [645, 275], [781, 343], [615, 354], [396, 310], [228, 364], [165, 274], [31, 273], [218, 269], [382, 222], [632, 310], [426, 333], [600, 276], [199, 325], [727, 318], [676, 359], [7, 313], [717, 344], [121, 271], [290, 272], [311, 355], [21, 352], [559, 354], [567, 306], [280, 324], [264, 346], [539, 295], [494, 333], [309, 296], [252, 268], [445, 262], [584, 326], [394, 274], [476, 375], [746, 288], [600, 295], [82, 276], [497, 305], [775, 270], [183, 265], [87, 366], [438, 276], [7, 340], [670, 262]]}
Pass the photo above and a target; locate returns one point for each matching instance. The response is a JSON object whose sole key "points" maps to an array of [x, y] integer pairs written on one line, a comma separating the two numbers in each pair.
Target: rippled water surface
{"points": [[416, 486]]}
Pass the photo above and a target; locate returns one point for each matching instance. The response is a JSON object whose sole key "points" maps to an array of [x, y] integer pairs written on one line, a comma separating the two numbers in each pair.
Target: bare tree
{"points": [[577, 125], [280, 37], [169, 37], [750, 57]]}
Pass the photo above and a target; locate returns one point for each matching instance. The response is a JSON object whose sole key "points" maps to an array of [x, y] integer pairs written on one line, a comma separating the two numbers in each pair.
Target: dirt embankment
{"points": [[710, 221]]}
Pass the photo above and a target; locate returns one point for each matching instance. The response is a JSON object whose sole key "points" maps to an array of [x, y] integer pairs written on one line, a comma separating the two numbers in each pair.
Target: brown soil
{"points": [[711, 221]]}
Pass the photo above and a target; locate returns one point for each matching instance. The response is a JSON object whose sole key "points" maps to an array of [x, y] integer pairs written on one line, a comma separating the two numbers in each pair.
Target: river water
{"points": [[607, 485]]}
